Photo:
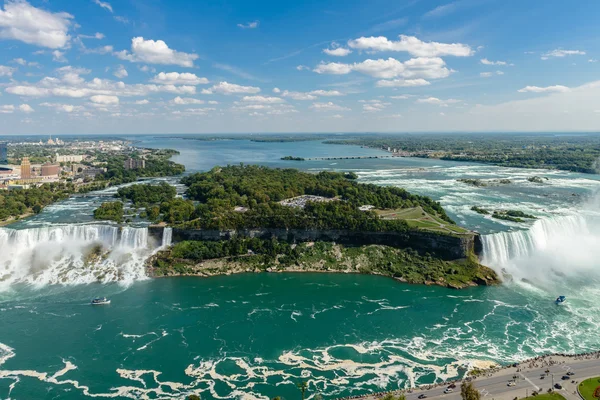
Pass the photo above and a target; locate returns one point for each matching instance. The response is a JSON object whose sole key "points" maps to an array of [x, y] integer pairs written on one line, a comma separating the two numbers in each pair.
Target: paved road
{"points": [[528, 380]]}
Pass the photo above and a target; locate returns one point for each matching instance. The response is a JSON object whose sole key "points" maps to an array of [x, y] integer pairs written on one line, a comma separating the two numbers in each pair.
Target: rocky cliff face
{"points": [[447, 247]]}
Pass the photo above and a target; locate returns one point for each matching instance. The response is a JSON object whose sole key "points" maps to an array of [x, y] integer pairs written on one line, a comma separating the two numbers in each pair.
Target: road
{"points": [[496, 387]]}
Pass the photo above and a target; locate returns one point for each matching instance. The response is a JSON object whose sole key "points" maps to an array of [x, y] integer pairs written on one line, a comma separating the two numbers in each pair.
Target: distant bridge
{"points": [[346, 158]]}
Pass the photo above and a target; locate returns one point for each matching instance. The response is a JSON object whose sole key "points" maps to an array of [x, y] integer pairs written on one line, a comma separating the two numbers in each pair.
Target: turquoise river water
{"points": [[257, 335]]}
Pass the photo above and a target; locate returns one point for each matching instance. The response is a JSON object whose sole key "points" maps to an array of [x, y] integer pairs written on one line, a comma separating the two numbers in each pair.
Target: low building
{"points": [[134, 163], [50, 169], [92, 172], [70, 158]]}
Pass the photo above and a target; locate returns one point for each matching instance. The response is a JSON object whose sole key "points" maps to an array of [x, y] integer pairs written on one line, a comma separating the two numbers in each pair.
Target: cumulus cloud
{"points": [[371, 106], [186, 101], [436, 101], [298, 95], [547, 89], [490, 74], [329, 106], [142, 102], [249, 25], [562, 53], [7, 109], [337, 51], [403, 83], [6, 71], [326, 93], [176, 78], [59, 56], [263, 99], [68, 108], [412, 45], [104, 5], [485, 61], [156, 52], [26, 108], [421, 67], [21, 21], [121, 72], [231, 88], [104, 99]]}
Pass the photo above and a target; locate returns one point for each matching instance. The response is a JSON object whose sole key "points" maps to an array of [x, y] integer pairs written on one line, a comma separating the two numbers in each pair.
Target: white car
{"points": [[511, 383], [448, 390]]}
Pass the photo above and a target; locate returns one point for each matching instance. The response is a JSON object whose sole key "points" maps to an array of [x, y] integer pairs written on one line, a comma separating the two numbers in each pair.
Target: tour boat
{"points": [[100, 301], [560, 299]]}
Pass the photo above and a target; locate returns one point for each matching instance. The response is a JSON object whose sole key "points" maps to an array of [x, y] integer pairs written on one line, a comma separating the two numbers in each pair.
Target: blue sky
{"points": [[158, 66]]}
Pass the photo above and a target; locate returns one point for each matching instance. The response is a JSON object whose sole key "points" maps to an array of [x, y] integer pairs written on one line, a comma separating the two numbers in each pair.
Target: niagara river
{"points": [[258, 335]]}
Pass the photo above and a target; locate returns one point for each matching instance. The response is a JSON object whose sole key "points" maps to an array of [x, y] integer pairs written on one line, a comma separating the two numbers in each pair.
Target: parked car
{"points": [[565, 377], [452, 386], [558, 386], [570, 373], [422, 396], [448, 390], [511, 383]]}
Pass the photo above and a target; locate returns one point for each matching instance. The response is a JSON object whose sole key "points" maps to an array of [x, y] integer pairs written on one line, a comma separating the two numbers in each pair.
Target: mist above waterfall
{"points": [[74, 254], [553, 249]]}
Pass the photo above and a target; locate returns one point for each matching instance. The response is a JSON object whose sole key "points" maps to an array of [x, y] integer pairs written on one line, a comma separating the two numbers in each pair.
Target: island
{"points": [[292, 158], [254, 219]]}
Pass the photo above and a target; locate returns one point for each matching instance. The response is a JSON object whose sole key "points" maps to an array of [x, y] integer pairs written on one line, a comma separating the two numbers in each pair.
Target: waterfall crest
{"points": [[75, 254]]}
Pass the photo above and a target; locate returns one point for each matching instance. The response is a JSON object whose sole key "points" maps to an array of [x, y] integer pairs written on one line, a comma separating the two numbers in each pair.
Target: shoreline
{"points": [[541, 361]]}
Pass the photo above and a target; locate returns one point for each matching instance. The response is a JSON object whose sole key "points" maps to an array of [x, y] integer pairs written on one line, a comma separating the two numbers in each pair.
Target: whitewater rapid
{"points": [[75, 254]]}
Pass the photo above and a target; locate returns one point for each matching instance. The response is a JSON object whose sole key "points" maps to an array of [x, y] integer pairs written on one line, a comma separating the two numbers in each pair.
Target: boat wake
{"points": [[75, 254]]}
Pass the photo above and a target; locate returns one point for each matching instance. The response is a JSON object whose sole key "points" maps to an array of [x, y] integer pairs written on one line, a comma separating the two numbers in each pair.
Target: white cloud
{"points": [[69, 108], [547, 89], [156, 52], [562, 53], [485, 61], [337, 51], [186, 101], [592, 60], [402, 83], [436, 101], [326, 93], [421, 67], [329, 106], [142, 102], [176, 78], [249, 25], [486, 74], [29, 91], [6, 71], [104, 99], [442, 10], [412, 45], [7, 109], [333, 68], [121, 19], [298, 95], [104, 5], [276, 90], [97, 35], [302, 68], [21, 21], [26, 108], [263, 99], [100, 50], [400, 97], [121, 72], [59, 56], [231, 88], [371, 106]]}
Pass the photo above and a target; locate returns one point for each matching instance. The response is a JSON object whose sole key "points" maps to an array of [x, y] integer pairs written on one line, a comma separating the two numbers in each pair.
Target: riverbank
{"points": [[402, 265], [529, 376]]}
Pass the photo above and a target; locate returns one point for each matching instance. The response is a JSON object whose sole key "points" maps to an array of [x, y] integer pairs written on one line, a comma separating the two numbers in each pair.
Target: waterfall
{"points": [[551, 248], [167, 238], [73, 254]]}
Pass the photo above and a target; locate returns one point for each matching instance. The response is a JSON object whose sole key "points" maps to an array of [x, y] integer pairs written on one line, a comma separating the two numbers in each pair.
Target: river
{"points": [[257, 335]]}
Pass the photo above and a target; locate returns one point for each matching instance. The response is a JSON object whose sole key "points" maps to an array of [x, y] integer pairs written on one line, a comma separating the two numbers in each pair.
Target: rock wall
{"points": [[443, 246]]}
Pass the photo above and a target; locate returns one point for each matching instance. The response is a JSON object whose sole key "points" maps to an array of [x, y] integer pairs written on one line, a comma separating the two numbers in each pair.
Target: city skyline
{"points": [[102, 67]]}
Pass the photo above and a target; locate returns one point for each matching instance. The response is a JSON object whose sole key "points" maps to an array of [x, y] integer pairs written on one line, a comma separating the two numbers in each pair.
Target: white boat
{"points": [[100, 301]]}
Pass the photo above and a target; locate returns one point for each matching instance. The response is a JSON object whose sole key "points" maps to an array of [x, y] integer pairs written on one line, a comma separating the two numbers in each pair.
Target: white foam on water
{"points": [[74, 254]]}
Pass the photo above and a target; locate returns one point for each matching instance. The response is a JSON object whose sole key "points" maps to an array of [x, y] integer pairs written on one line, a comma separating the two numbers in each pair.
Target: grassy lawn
{"points": [[587, 388], [417, 218], [546, 396]]}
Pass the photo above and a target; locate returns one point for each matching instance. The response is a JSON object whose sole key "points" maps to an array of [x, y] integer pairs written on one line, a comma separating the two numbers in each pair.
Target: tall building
{"points": [[3, 153], [134, 163], [25, 168]]}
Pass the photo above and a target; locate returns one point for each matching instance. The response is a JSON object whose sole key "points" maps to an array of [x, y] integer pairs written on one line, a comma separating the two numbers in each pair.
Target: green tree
{"points": [[193, 397], [303, 386], [468, 391]]}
